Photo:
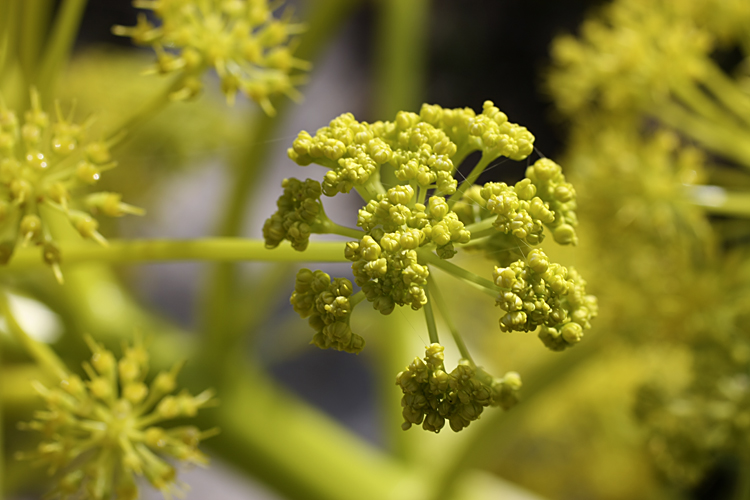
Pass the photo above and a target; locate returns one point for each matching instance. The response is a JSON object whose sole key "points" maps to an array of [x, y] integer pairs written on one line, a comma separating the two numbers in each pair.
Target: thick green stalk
{"points": [[8, 33], [298, 451], [210, 249], [35, 20], [60, 43], [400, 55]]}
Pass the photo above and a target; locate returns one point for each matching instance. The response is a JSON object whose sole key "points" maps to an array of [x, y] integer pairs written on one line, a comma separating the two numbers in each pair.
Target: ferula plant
{"points": [[420, 224], [91, 407]]}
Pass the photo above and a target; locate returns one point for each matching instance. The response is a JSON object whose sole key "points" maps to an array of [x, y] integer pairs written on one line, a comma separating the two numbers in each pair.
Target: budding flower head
{"points": [[432, 395], [45, 165], [327, 304], [101, 433], [250, 49]]}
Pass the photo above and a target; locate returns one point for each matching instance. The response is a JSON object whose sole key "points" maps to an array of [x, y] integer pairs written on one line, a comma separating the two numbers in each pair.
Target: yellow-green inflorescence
{"points": [[432, 395], [45, 165], [328, 304], [421, 217], [251, 50], [99, 435]]}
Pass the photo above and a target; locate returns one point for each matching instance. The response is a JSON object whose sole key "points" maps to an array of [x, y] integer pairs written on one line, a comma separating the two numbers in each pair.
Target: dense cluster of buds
{"points": [[425, 219], [251, 50], [103, 432], [432, 395], [45, 166], [327, 303], [299, 210], [541, 293]]}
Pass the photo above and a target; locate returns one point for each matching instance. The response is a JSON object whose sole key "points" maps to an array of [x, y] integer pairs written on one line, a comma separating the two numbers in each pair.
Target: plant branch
{"points": [[429, 316], [210, 249], [484, 284], [443, 308], [60, 43]]}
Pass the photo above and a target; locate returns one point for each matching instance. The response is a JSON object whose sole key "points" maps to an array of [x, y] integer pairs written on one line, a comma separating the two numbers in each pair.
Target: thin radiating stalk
{"points": [[60, 43]]}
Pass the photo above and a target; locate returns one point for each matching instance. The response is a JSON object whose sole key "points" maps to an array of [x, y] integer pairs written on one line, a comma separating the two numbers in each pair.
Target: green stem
{"points": [[484, 284], [482, 225], [483, 163], [429, 316], [725, 90], [212, 249], [262, 426], [330, 227], [400, 55], [8, 32], [41, 353], [60, 42], [730, 143], [356, 298], [144, 114], [443, 307], [400, 49], [34, 27], [702, 105]]}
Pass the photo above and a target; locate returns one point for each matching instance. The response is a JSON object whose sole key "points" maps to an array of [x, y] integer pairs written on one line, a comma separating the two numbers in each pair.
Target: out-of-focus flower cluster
{"points": [[45, 165], [646, 95], [432, 396], [251, 50], [103, 433], [326, 303]]}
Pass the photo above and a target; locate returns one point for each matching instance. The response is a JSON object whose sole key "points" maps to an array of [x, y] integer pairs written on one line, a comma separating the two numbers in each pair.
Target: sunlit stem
{"points": [[208, 249], [429, 317], [483, 284], [483, 163], [444, 312], [41, 353], [60, 43]]}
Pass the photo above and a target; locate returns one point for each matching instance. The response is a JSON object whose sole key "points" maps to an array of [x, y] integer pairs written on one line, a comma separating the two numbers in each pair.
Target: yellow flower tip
{"points": [[99, 416]]}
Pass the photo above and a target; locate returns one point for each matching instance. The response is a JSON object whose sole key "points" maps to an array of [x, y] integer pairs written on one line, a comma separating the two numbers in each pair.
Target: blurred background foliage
{"points": [[645, 104]]}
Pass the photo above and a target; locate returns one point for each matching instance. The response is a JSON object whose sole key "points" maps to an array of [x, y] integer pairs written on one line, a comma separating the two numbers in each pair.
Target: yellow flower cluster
{"points": [[326, 302], [250, 49], [103, 432], [540, 293], [432, 396], [46, 165]]}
